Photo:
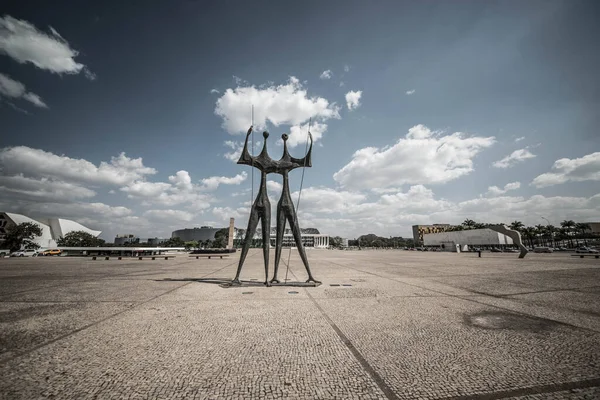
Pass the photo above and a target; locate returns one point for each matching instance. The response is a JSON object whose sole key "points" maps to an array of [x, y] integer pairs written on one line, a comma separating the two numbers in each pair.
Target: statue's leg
{"points": [[252, 223], [293, 219], [266, 231], [279, 240]]}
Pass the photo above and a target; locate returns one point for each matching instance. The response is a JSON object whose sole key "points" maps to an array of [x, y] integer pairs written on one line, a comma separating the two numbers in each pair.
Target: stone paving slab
{"points": [[411, 325]]}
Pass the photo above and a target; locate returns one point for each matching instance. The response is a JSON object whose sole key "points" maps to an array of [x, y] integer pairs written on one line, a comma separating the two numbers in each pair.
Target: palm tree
{"points": [[529, 233], [469, 223], [583, 227], [568, 225], [551, 229], [540, 231], [517, 226]]}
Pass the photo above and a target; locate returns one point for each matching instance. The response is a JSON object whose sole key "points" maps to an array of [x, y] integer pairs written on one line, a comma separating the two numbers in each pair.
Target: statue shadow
{"points": [[226, 282]]}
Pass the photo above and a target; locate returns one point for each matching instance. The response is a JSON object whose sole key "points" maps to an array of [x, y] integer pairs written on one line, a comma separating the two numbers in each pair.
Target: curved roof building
{"points": [[52, 228], [200, 234]]}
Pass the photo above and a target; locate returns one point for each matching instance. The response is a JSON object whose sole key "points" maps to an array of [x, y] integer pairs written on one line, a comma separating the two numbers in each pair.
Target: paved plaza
{"points": [[383, 325]]}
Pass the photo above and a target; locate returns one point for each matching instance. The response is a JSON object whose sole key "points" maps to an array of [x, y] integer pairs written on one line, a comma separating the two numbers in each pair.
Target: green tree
{"points": [[335, 241], [568, 226], [540, 231], [529, 233], [469, 223], [192, 244], [582, 228], [21, 236], [79, 239], [174, 242], [517, 226], [551, 230], [221, 238]]}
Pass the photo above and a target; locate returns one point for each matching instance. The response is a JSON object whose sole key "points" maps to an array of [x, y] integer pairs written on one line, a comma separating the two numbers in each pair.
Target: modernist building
{"points": [[471, 238], [204, 233], [594, 227], [52, 228], [198, 234], [420, 230], [129, 238]]}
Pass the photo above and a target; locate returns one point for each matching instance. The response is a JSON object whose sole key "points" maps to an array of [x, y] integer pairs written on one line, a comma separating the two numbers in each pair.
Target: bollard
{"points": [[479, 253], [166, 258], [139, 258], [120, 258], [154, 258], [107, 258], [196, 257], [94, 258]]}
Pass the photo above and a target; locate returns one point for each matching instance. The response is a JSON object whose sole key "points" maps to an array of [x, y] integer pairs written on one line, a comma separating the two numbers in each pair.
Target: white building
{"points": [[471, 237], [52, 228]]}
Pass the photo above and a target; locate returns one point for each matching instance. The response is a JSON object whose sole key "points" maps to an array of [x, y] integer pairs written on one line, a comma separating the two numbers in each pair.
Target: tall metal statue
{"points": [[261, 208], [285, 207]]}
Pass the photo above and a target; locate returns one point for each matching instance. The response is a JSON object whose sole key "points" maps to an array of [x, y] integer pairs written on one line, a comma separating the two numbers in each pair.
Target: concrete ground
{"points": [[383, 325]]}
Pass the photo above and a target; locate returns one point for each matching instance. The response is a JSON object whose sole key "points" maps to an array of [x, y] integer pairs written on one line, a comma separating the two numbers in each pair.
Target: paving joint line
{"points": [[28, 351], [379, 381], [543, 389], [467, 298]]}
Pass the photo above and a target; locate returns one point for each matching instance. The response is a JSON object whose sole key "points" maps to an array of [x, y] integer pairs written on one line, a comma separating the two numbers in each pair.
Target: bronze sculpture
{"points": [[285, 207], [261, 208]]}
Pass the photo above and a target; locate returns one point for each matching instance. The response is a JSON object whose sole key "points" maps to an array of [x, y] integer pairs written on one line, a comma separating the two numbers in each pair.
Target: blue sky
{"points": [[127, 118]]}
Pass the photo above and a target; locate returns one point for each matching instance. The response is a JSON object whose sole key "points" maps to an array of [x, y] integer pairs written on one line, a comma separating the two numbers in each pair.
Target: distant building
{"points": [[126, 239], [594, 227], [311, 237], [420, 230], [52, 228], [471, 238], [198, 234]]}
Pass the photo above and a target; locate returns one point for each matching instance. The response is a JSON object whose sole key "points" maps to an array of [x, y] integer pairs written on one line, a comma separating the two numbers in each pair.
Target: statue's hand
{"points": [[249, 131]]}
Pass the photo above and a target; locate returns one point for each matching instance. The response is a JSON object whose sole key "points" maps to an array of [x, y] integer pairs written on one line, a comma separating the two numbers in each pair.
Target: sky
{"points": [[130, 117]]}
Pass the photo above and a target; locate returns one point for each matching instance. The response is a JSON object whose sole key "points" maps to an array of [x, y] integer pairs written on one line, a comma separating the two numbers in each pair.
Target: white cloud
{"points": [[517, 140], [43, 189], [346, 68], [353, 99], [214, 181], [24, 43], [287, 104], [182, 180], [236, 150], [342, 84], [145, 189], [514, 158], [586, 168], [169, 215], [410, 92], [422, 156], [299, 134], [495, 190], [213, 91], [326, 74], [352, 213], [14, 89], [121, 170], [224, 213]]}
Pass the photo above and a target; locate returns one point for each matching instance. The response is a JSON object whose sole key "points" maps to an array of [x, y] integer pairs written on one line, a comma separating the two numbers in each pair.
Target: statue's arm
{"points": [[245, 157], [306, 160]]}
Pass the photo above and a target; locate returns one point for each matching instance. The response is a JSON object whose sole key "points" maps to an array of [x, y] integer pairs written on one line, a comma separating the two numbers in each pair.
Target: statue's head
{"points": [[265, 134], [284, 137]]}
